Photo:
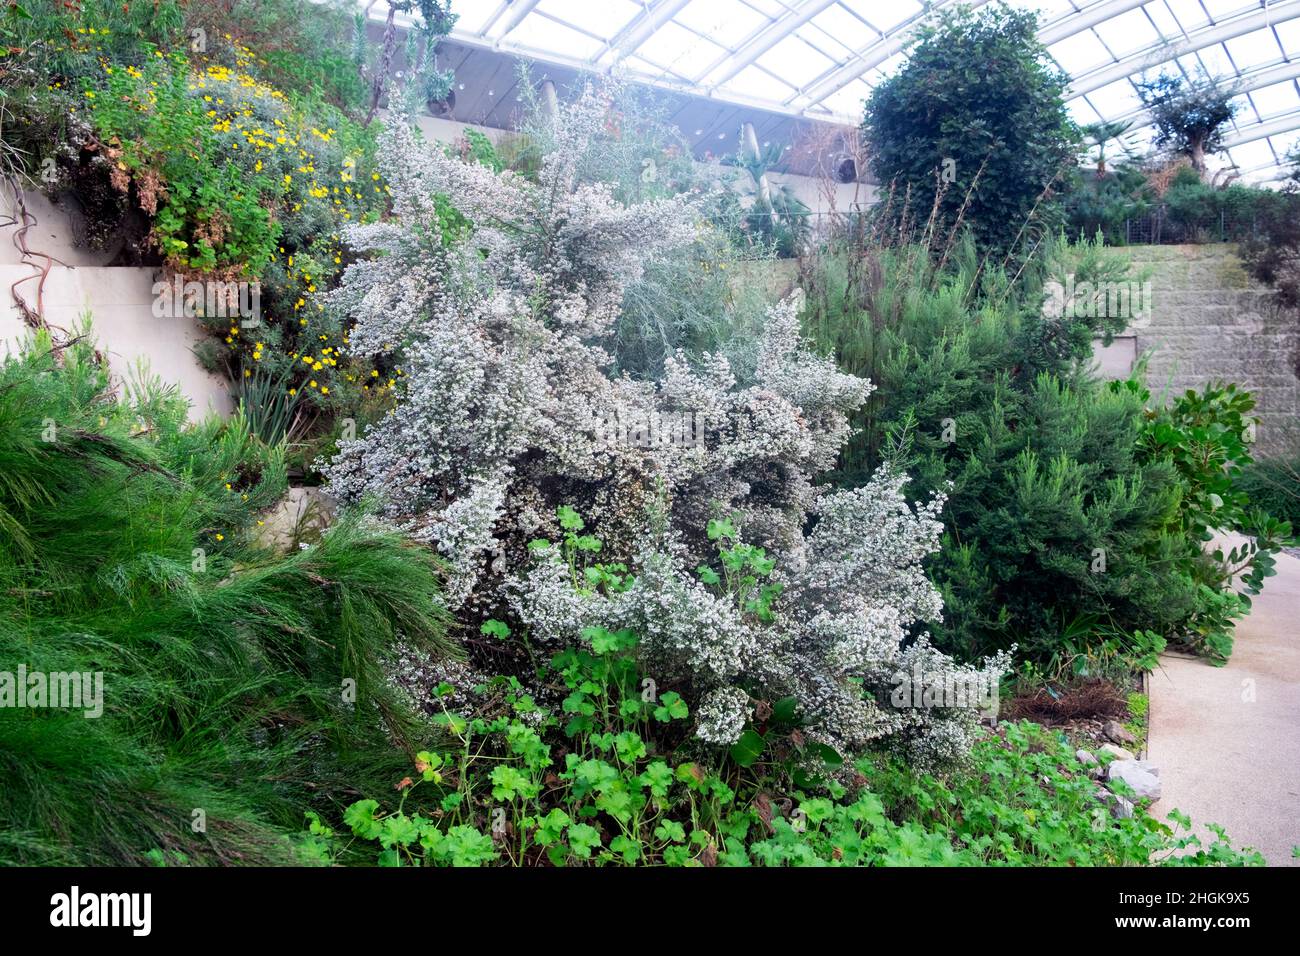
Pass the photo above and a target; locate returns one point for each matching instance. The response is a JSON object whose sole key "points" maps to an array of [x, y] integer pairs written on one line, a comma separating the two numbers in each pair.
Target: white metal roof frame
{"points": [[818, 59]]}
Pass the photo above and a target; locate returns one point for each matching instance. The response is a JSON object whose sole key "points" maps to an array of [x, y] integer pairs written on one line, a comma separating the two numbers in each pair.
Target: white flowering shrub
{"points": [[500, 331], [830, 631]]}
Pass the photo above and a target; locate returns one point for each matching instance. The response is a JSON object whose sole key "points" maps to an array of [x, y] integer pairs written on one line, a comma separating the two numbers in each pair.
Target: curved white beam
{"points": [[1244, 83], [518, 10], [1279, 126], [1196, 40], [1066, 26], [639, 30]]}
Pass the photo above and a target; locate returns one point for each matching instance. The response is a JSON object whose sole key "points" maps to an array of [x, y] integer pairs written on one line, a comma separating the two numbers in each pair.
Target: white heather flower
{"points": [[504, 385], [722, 714]]}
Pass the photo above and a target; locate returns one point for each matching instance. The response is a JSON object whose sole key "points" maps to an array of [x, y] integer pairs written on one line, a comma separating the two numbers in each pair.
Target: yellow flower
{"points": [[221, 537], [325, 390]]}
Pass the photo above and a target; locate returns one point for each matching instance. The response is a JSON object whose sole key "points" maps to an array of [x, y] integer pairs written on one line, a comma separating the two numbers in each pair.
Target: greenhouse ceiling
{"points": [[819, 59]]}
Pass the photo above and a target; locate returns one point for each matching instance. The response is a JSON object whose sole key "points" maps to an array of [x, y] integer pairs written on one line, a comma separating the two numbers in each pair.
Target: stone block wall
{"points": [[1209, 320]]}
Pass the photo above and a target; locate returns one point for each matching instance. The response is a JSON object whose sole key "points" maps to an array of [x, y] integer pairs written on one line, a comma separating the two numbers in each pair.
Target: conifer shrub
{"points": [[1075, 522]]}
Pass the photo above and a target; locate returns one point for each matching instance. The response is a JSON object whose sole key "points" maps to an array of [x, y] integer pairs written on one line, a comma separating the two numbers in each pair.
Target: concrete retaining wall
{"points": [[118, 302]]}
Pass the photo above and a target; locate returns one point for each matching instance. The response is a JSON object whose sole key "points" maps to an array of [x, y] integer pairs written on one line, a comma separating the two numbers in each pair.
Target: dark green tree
{"points": [[978, 113]]}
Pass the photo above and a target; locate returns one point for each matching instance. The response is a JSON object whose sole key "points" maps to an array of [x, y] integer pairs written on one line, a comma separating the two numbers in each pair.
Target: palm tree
{"points": [[1097, 135]]}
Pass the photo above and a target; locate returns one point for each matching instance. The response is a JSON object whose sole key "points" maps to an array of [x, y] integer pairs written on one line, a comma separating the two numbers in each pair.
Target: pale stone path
{"points": [[1227, 739]]}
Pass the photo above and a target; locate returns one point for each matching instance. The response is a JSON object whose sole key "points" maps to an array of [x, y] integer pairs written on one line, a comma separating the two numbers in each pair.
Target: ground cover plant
{"points": [[616, 793]]}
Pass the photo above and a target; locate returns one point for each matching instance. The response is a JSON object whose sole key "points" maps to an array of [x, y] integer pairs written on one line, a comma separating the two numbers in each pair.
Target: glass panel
{"points": [[1080, 53], [795, 62], [840, 25], [753, 81], [727, 22], [1257, 47], [1189, 13], [1289, 34], [1276, 99], [546, 36], [884, 16], [603, 19], [1128, 33], [679, 50], [1115, 99]]}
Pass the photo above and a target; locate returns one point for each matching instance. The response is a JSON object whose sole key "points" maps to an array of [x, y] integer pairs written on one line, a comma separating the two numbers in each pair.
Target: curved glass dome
{"points": [[818, 59]]}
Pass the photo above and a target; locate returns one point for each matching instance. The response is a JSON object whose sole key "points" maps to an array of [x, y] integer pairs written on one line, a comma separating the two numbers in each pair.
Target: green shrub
{"points": [[1102, 203], [1077, 510], [1272, 253], [1206, 435], [1055, 531], [977, 111]]}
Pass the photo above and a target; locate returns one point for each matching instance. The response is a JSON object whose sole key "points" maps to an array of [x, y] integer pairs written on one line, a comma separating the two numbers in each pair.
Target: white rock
{"points": [[1120, 808], [1138, 775], [1085, 758], [1118, 753]]}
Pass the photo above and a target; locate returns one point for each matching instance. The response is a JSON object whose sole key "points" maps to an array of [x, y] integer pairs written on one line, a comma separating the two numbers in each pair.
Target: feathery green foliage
{"points": [[127, 548]]}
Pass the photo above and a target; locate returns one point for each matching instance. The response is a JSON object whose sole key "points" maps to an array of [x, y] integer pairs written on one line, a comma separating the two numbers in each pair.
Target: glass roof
{"points": [[818, 59]]}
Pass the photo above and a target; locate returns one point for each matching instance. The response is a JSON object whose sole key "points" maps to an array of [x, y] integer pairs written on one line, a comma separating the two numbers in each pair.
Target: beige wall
{"points": [[119, 302], [1210, 321], [54, 234]]}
